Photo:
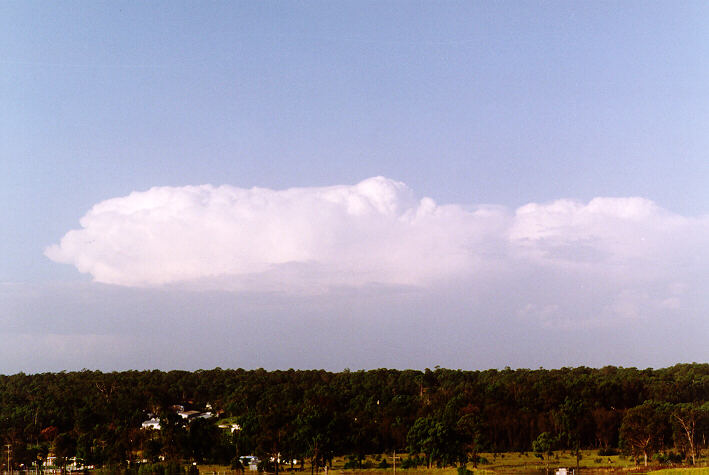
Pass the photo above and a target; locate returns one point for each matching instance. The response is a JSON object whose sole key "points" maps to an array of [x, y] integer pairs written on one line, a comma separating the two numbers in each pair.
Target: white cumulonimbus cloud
{"points": [[374, 232]]}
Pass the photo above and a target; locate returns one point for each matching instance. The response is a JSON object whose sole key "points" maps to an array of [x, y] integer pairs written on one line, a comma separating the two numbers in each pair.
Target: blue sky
{"points": [[484, 107]]}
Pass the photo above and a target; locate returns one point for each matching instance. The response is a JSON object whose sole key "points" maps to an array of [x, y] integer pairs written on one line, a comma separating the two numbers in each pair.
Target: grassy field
{"points": [[510, 462], [683, 471]]}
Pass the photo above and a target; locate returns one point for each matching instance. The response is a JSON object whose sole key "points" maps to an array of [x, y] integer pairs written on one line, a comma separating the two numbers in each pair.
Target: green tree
{"points": [[644, 429], [687, 419], [202, 437], [543, 446], [64, 447], [572, 416], [436, 440], [472, 429]]}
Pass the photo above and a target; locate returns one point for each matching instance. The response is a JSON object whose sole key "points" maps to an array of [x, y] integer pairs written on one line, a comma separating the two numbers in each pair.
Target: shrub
{"points": [[169, 468], [464, 471], [383, 464], [668, 458], [173, 468], [236, 464], [607, 452], [410, 462], [480, 460], [151, 469], [266, 466], [353, 462]]}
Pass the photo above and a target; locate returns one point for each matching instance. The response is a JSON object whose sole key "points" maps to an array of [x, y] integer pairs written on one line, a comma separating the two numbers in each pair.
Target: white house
{"points": [[153, 423], [232, 427], [249, 461]]}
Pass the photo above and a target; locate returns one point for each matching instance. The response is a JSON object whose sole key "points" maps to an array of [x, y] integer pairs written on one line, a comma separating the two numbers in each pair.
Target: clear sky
{"points": [[353, 184]]}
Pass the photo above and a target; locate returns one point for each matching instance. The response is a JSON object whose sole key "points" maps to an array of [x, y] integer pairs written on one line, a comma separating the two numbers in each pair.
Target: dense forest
{"points": [[440, 417]]}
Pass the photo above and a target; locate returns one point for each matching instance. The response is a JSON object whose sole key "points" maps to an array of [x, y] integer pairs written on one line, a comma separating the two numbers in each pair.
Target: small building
{"points": [[188, 414], [249, 461], [152, 423], [232, 427]]}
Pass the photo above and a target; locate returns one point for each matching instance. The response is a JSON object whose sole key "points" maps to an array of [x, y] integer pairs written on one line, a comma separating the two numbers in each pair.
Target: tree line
{"points": [[439, 417]]}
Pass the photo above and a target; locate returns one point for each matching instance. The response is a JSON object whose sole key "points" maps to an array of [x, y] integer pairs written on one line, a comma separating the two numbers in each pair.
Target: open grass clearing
{"points": [[507, 462]]}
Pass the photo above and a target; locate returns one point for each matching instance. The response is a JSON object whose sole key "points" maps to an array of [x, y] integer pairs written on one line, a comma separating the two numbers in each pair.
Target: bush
{"points": [[151, 469], [607, 452], [352, 463], [173, 468], [598, 460], [236, 464], [464, 471], [170, 468], [410, 462], [266, 466], [480, 460], [668, 458], [383, 464]]}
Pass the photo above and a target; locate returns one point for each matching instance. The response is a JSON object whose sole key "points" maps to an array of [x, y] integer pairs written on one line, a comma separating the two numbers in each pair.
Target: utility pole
{"points": [[9, 467]]}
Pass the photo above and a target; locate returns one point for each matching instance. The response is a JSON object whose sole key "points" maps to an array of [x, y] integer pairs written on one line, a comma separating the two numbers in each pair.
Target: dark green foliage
{"points": [[544, 445], [443, 417], [236, 464], [437, 440], [151, 469], [668, 458], [411, 462], [170, 468], [608, 452], [646, 429], [352, 462], [464, 471], [266, 466]]}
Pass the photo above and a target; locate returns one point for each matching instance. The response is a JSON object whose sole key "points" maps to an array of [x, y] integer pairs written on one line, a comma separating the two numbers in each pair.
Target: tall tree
{"points": [[644, 429], [687, 418]]}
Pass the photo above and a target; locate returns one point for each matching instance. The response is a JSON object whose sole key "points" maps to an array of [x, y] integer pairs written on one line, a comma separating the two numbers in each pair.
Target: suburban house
{"points": [[152, 423]]}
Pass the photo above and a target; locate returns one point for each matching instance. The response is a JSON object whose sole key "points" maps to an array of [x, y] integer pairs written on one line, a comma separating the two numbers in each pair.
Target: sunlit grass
{"points": [[491, 463], [683, 471]]}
